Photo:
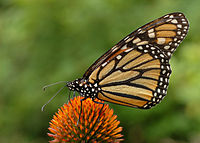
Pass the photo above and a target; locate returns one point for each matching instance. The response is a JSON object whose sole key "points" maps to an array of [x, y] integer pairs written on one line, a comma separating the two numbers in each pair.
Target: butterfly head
{"points": [[73, 85]]}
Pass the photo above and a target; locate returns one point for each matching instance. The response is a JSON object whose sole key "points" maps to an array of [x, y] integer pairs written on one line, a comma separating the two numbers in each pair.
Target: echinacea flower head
{"points": [[96, 124]]}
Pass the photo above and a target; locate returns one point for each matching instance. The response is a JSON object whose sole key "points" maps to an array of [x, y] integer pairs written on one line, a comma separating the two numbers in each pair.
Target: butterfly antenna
{"points": [[46, 86], [42, 109]]}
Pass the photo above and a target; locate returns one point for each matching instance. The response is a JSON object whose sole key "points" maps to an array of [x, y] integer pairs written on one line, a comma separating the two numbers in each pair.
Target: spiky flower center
{"points": [[97, 123]]}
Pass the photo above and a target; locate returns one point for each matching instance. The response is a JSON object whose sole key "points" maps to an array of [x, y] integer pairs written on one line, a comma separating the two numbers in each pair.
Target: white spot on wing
{"points": [[142, 43], [140, 47], [167, 47], [179, 26], [161, 41], [104, 64], [136, 40], [151, 35], [128, 50], [151, 30], [179, 32], [129, 39], [119, 57], [124, 47], [174, 21], [162, 55], [126, 38], [168, 20], [166, 16], [114, 49]]}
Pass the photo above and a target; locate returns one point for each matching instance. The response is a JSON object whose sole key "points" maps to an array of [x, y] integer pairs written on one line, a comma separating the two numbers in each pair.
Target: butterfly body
{"points": [[136, 71], [85, 88]]}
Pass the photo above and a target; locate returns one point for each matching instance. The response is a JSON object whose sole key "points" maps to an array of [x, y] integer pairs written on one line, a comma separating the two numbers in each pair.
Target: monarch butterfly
{"points": [[135, 72]]}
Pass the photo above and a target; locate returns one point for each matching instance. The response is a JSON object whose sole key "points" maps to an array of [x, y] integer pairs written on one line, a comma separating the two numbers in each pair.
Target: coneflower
{"points": [[96, 124]]}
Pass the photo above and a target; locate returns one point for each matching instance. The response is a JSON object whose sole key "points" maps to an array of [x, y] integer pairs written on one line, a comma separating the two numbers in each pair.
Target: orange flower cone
{"points": [[97, 123]]}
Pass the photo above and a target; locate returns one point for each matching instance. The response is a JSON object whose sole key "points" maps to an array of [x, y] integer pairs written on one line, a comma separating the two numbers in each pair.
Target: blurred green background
{"points": [[45, 41]]}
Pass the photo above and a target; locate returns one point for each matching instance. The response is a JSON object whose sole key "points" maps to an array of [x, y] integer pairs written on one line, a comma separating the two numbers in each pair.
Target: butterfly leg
{"points": [[101, 107], [97, 102], [74, 94], [69, 97], [80, 110]]}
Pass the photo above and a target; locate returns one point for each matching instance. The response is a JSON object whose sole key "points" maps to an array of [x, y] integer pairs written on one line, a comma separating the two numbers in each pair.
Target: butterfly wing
{"points": [[166, 32], [135, 72]]}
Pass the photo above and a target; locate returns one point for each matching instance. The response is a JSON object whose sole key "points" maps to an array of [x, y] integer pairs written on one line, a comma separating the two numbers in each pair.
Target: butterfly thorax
{"points": [[85, 88]]}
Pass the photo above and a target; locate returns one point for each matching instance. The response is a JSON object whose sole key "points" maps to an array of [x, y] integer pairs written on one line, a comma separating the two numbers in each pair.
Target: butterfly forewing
{"points": [[166, 32], [136, 71]]}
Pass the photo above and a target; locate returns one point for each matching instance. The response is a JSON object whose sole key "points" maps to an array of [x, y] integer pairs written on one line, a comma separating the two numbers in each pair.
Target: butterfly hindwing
{"points": [[134, 78]]}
